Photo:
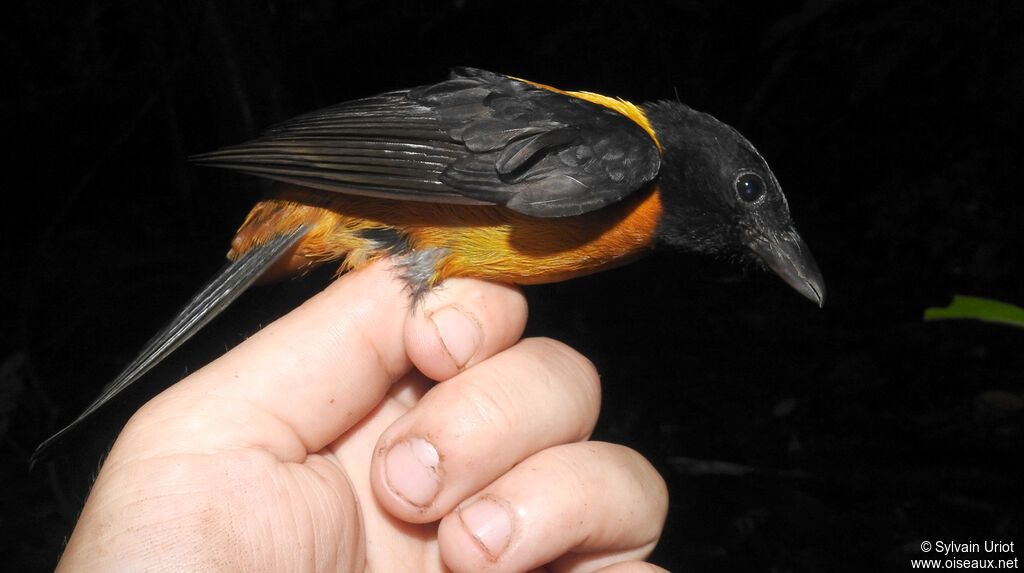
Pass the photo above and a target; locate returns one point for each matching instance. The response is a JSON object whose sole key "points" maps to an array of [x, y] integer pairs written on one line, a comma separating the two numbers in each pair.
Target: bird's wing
{"points": [[232, 280], [477, 138]]}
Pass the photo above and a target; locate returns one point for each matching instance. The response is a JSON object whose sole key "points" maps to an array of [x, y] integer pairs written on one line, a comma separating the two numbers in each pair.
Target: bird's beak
{"points": [[788, 255]]}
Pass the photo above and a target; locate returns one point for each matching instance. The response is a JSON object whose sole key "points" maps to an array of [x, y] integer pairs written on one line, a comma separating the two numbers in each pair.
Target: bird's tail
{"points": [[230, 282]]}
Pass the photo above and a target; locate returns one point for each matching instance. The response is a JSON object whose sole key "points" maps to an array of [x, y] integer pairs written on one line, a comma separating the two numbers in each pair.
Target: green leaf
{"points": [[978, 309]]}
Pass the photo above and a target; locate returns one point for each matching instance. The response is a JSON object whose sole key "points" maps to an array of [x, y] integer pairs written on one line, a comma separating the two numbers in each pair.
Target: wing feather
{"points": [[476, 138]]}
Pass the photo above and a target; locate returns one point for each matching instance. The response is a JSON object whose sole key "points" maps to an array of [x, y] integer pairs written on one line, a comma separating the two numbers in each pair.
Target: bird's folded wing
{"points": [[477, 138]]}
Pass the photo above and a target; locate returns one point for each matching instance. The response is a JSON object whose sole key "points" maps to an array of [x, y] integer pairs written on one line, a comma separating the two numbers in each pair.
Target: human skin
{"points": [[322, 444]]}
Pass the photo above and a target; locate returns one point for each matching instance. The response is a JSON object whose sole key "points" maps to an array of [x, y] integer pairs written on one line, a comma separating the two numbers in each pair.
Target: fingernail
{"points": [[411, 469], [489, 521], [460, 333]]}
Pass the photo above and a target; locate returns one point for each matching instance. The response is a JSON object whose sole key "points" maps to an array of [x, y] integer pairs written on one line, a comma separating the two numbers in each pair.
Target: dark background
{"points": [[793, 438]]}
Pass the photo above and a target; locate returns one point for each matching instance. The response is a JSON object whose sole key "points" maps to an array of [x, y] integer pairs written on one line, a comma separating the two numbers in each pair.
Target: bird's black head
{"points": [[720, 197]]}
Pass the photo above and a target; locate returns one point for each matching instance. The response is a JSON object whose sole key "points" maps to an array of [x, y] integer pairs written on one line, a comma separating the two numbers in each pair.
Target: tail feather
{"points": [[230, 282]]}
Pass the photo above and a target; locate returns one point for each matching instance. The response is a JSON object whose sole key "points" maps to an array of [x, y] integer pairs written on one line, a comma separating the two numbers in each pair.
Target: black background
{"points": [[793, 438]]}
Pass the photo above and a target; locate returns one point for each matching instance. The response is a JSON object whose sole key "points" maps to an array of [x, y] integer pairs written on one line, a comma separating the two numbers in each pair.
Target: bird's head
{"points": [[720, 197]]}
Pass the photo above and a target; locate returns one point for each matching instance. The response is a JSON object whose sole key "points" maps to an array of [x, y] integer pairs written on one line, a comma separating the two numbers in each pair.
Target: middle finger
{"points": [[471, 429]]}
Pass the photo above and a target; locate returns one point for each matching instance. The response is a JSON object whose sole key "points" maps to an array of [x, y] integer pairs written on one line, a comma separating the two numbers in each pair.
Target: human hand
{"points": [[317, 444]]}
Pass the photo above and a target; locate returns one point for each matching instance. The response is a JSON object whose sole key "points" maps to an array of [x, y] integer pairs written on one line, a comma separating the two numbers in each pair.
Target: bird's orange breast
{"points": [[477, 241]]}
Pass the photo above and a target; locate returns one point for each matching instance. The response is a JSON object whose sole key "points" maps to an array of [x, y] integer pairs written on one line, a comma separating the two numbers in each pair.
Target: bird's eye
{"points": [[750, 187]]}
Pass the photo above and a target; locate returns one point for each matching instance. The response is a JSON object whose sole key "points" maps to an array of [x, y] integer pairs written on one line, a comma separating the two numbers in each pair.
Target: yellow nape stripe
{"points": [[628, 109]]}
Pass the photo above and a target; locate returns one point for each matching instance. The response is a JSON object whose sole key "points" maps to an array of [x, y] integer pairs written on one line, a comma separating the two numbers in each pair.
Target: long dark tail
{"points": [[232, 280]]}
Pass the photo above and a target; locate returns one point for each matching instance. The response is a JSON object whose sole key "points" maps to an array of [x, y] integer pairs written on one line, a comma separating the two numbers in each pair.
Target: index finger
{"points": [[299, 382], [305, 379]]}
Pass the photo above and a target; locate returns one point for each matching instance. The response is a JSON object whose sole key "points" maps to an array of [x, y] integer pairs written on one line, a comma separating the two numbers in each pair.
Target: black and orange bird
{"points": [[496, 178]]}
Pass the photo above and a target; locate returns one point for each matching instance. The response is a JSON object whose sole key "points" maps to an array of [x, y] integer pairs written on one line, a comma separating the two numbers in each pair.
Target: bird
{"points": [[493, 177]]}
